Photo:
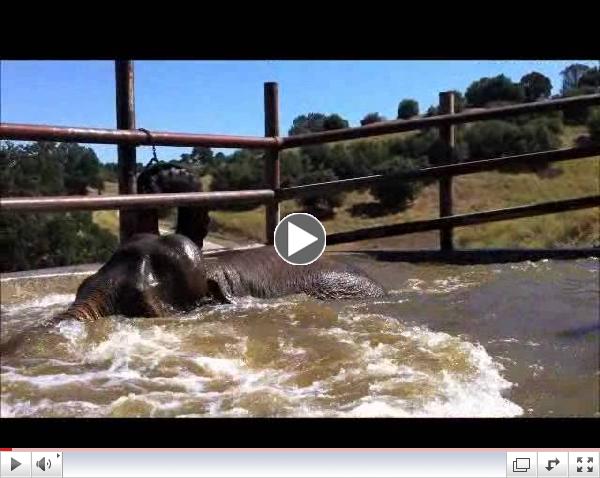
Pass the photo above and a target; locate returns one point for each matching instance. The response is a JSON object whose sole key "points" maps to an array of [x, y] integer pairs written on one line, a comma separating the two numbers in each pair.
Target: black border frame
{"points": [[302, 433]]}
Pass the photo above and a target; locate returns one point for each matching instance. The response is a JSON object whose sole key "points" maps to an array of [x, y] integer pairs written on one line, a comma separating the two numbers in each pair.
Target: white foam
{"points": [[45, 407], [49, 300], [128, 342], [437, 286], [131, 352], [377, 408], [221, 366], [478, 397]]}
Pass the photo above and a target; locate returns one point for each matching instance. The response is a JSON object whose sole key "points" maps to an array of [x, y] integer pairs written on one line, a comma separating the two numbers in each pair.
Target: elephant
{"points": [[152, 275]]}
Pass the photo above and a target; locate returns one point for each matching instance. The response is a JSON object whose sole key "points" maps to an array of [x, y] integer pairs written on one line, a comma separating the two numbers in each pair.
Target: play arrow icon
{"points": [[550, 467], [298, 239], [14, 464]]}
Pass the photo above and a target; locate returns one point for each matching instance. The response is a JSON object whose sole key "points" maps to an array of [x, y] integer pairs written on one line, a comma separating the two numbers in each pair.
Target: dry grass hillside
{"points": [[477, 192]]}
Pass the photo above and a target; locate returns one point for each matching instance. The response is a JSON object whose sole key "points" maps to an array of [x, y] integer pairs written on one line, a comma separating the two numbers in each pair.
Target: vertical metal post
{"points": [[445, 195], [272, 170], [126, 153]]}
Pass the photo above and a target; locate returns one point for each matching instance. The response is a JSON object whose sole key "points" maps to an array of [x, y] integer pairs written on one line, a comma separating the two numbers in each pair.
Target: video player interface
{"points": [[297, 463]]}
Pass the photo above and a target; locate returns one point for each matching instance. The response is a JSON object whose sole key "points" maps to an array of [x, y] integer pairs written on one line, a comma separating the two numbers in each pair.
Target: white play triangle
{"points": [[298, 239]]}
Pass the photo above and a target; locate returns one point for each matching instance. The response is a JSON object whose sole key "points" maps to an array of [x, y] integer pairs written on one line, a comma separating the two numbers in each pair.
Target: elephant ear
{"points": [[218, 293]]}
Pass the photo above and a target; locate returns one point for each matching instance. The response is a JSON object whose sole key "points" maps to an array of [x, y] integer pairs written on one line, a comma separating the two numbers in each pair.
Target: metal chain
{"points": [[154, 157]]}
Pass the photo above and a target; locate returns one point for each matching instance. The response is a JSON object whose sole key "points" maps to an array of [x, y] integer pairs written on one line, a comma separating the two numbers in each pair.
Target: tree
{"points": [[498, 88], [460, 102], [202, 155], [241, 170], [408, 108], [30, 241], [354, 159], [576, 114], [321, 206], [334, 121], [109, 172], [303, 124], [81, 168], [571, 76], [536, 86], [459, 105], [201, 160], [593, 124], [47, 169], [591, 78], [398, 194], [316, 122], [293, 166], [371, 118], [496, 138], [431, 111]]}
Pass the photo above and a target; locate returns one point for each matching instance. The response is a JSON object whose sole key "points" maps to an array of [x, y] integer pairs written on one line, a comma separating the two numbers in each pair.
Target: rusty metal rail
{"points": [[470, 219], [398, 126], [133, 201], [436, 172], [28, 132], [128, 138]]}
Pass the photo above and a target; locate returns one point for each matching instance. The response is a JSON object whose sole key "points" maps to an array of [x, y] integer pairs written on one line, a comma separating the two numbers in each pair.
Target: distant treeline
{"points": [[43, 240], [30, 241], [244, 169]]}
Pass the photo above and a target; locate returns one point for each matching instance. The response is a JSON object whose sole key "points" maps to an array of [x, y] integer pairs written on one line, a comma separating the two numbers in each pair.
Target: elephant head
{"points": [[148, 276]]}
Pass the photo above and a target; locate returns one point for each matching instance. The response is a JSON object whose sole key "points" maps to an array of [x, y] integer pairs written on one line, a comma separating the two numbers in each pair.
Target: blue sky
{"points": [[225, 97]]}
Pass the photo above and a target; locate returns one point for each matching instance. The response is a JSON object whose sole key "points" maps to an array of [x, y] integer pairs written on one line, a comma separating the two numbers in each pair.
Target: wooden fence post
{"points": [[272, 171], [445, 194]]}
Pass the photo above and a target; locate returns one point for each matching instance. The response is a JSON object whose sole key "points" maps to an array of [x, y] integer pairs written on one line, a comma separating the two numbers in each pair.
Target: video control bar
{"points": [[298, 463]]}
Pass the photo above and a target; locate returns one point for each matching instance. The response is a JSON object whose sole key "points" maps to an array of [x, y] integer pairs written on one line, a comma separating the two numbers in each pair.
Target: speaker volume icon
{"points": [[43, 463]]}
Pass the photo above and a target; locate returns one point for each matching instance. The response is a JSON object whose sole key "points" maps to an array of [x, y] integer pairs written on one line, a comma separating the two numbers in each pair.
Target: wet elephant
{"points": [[152, 275]]}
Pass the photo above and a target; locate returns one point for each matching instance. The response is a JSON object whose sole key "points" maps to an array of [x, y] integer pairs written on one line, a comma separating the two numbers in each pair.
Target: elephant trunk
{"points": [[92, 302], [193, 222]]}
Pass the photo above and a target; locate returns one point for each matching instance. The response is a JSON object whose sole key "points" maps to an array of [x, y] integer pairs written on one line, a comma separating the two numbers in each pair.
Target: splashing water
{"points": [[412, 354]]}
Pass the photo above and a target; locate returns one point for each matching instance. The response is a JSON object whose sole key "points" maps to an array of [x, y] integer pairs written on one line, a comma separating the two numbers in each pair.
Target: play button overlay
{"points": [[300, 239]]}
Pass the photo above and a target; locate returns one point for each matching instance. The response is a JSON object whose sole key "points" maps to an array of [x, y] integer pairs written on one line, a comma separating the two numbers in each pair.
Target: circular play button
{"points": [[300, 239]]}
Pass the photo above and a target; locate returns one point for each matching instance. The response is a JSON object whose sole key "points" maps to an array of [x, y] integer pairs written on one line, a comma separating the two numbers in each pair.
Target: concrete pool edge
{"points": [[457, 256], [475, 256]]}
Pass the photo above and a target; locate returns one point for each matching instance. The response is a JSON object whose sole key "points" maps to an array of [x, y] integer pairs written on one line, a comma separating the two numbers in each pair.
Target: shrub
{"points": [[407, 109], [577, 115], [397, 195], [593, 124], [321, 206], [371, 118], [32, 241], [496, 138]]}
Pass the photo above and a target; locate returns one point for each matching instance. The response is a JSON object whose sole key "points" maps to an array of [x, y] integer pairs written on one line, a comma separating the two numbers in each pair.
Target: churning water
{"points": [[449, 341]]}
